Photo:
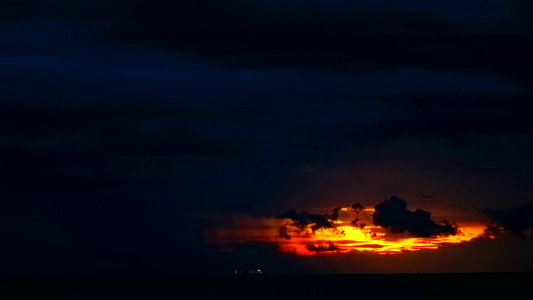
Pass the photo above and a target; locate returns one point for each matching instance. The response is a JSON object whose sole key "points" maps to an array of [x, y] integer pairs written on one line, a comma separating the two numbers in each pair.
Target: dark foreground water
{"points": [[263, 286]]}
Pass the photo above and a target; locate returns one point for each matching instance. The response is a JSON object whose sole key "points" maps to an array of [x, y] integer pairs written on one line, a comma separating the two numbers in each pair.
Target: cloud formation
{"points": [[393, 215], [303, 219], [282, 233], [518, 220], [322, 248]]}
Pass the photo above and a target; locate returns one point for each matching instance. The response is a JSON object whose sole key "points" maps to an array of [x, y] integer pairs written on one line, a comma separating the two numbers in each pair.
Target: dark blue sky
{"points": [[123, 121]]}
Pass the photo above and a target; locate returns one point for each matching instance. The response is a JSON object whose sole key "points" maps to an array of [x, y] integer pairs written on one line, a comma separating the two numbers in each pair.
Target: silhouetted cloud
{"points": [[282, 233], [334, 214], [322, 248], [303, 219], [517, 219], [393, 215], [357, 209]]}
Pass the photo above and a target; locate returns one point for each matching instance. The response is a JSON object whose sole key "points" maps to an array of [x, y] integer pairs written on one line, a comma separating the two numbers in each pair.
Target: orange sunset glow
{"points": [[345, 236]]}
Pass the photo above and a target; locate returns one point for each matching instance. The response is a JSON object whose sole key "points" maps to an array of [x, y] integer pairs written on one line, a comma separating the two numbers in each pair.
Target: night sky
{"points": [[124, 123]]}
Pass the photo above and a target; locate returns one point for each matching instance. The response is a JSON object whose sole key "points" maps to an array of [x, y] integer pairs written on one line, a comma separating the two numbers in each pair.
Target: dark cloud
{"points": [[393, 215], [51, 117], [322, 248], [51, 145], [239, 34], [243, 36], [303, 219], [471, 12], [282, 233], [426, 115], [518, 220], [334, 214], [358, 209]]}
